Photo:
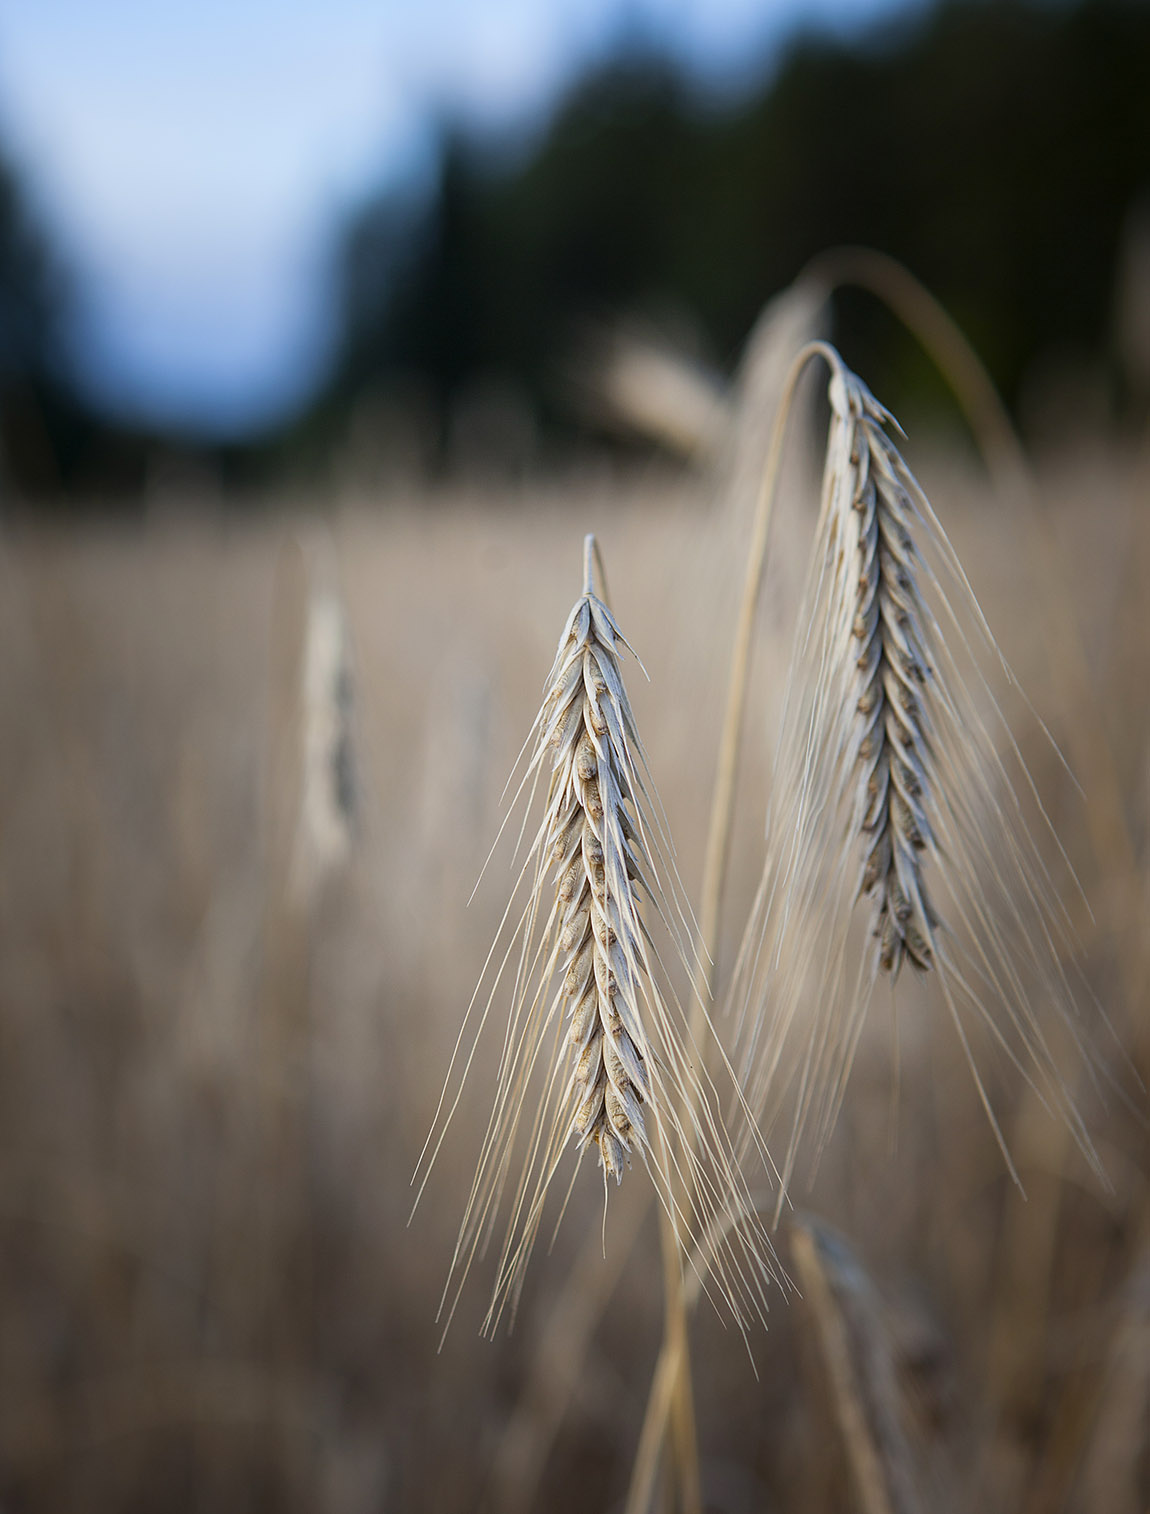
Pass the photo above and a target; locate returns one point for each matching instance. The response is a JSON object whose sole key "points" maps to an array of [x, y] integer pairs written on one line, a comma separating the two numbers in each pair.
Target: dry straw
{"points": [[892, 785], [596, 1056], [867, 1394]]}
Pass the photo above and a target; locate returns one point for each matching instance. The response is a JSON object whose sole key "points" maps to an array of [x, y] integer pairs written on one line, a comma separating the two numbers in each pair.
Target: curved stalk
{"points": [[670, 1393]]}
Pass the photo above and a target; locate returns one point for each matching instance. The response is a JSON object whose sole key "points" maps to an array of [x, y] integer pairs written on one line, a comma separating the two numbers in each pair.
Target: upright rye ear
{"points": [[596, 1056], [892, 787]]}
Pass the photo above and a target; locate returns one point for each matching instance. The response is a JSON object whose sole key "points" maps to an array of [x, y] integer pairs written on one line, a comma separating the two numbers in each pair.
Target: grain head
{"points": [[897, 783], [596, 1055]]}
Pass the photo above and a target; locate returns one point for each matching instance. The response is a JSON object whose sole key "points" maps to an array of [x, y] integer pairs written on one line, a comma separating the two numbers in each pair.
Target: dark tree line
{"points": [[996, 148], [57, 448], [34, 399]]}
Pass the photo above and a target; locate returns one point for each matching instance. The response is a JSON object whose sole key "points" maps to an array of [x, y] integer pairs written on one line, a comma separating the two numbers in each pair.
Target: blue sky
{"points": [[193, 158]]}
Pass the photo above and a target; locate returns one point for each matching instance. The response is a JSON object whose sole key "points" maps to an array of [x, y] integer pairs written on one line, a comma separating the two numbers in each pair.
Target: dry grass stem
{"points": [[595, 1055], [1117, 1462], [893, 783], [859, 1356]]}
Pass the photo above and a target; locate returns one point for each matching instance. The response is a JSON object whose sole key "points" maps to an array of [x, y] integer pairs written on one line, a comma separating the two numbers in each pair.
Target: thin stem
{"points": [[654, 1426], [681, 1402], [723, 796], [671, 1384], [590, 553], [592, 564]]}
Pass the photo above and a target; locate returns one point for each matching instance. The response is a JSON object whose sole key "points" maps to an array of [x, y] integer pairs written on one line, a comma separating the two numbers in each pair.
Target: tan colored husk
{"points": [[891, 783], [596, 1053]]}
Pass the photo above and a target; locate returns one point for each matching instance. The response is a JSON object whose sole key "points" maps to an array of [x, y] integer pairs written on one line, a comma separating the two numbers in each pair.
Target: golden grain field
{"points": [[222, 1040]]}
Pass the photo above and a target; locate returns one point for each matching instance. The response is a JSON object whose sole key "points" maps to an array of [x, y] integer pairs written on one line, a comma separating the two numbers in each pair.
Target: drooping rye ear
{"points": [[892, 785]]}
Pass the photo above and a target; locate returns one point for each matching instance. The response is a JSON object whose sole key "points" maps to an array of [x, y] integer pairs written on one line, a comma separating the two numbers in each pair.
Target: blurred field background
{"points": [[265, 667]]}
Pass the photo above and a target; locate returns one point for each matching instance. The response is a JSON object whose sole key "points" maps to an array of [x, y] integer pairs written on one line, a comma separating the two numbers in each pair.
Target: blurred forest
{"points": [[996, 149], [999, 150], [56, 444]]}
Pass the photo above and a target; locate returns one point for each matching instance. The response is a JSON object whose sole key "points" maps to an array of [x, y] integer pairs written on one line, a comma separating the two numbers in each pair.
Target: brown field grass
{"points": [[213, 1091]]}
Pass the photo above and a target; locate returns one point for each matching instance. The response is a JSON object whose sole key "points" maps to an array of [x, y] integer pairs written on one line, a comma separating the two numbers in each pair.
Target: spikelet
{"points": [[891, 671], [891, 788], [595, 1054]]}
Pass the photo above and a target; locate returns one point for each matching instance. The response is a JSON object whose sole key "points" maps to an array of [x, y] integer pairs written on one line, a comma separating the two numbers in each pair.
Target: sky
{"points": [[194, 159]]}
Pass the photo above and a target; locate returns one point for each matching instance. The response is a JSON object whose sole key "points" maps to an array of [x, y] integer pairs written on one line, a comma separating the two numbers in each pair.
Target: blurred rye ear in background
{"points": [[596, 1051], [329, 807]]}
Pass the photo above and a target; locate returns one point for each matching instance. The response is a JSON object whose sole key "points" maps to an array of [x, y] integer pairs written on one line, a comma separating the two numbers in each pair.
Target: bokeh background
{"points": [[261, 236], [325, 334]]}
